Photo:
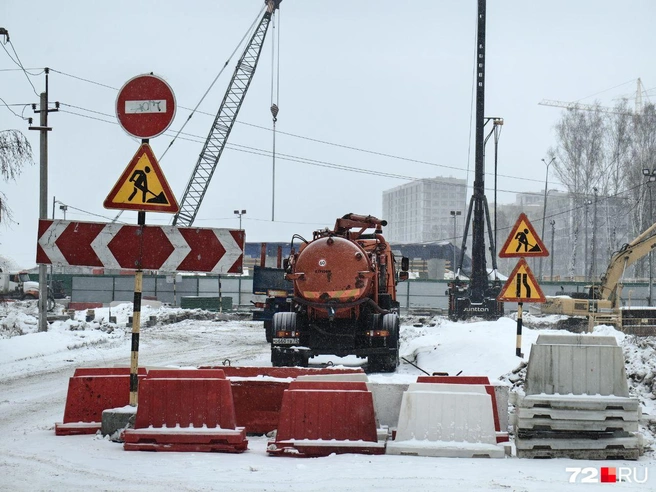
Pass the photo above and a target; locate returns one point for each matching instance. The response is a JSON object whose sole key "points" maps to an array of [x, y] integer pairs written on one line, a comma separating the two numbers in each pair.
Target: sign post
{"points": [[145, 107], [521, 285]]}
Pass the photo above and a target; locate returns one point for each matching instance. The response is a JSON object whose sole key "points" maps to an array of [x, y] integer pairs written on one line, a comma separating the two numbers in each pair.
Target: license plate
{"points": [[285, 341]]}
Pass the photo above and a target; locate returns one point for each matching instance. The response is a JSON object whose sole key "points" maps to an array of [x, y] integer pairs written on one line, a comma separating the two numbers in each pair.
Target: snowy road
{"points": [[33, 393]]}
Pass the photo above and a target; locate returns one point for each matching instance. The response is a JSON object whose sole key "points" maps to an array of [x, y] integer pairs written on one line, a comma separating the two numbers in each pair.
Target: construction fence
{"points": [[235, 292]]}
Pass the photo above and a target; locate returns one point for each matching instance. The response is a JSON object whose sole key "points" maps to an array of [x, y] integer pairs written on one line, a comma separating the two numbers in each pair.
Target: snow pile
{"points": [[35, 368]]}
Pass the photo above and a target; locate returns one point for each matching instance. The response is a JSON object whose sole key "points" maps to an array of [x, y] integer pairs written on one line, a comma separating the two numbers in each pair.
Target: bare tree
{"points": [[643, 156], [15, 153], [578, 165], [607, 151]]}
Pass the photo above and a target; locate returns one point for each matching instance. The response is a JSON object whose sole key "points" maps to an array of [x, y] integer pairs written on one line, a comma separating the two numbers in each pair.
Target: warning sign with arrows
{"points": [[142, 186], [523, 241], [521, 286]]}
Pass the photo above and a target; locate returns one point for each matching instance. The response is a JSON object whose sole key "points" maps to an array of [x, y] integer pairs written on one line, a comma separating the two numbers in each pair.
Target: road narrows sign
{"points": [[521, 286], [523, 241], [145, 106], [142, 186]]}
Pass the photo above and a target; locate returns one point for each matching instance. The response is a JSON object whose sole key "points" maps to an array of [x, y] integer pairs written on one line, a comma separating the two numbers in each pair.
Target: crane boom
{"points": [[224, 121]]}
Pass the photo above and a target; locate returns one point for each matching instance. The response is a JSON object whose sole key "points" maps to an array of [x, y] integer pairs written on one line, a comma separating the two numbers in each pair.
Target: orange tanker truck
{"points": [[344, 299]]}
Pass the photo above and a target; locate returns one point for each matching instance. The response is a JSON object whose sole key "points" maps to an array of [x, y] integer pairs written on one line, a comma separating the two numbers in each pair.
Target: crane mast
{"points": [[224, 121]]}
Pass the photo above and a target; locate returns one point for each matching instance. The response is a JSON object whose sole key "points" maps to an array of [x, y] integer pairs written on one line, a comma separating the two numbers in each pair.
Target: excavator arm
{"points": [[224, 121], [610, 288]]}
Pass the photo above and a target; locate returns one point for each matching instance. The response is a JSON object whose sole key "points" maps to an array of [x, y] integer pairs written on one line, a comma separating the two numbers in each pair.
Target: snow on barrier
{"points": [[185, 410], [90, 391], [501, 436], [576, 403], [446, 420], [319, 418], [258, 392]]}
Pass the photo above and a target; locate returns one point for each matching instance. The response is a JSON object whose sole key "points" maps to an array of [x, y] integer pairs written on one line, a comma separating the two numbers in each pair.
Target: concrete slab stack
{"points": [[576, 402]]}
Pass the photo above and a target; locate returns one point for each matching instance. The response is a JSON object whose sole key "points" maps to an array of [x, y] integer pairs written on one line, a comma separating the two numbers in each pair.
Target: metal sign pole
{"points": [[518, 349], [136, 324]]}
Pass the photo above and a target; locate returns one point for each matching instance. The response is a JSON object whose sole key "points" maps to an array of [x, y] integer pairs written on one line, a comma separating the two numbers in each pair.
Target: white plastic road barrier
{"points": [[444, 420]]}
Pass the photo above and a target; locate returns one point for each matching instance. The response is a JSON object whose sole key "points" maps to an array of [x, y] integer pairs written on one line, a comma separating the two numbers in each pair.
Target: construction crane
{"points": [[224, 121], [577, 106]]}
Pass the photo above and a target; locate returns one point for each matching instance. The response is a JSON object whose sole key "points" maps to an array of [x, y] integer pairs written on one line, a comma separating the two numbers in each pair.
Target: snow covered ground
{"points": [[35, 368]]}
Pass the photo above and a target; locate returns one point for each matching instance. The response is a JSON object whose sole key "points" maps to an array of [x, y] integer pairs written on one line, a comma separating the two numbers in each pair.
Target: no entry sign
{"points": [[145, 106]]}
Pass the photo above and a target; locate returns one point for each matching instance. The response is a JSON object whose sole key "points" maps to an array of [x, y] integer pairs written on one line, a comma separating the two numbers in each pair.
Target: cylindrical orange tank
{"points": [[334, 269]]}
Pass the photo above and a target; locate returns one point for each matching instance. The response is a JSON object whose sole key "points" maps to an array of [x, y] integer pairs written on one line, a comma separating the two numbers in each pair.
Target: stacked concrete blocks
{"points": [[576, 403]]}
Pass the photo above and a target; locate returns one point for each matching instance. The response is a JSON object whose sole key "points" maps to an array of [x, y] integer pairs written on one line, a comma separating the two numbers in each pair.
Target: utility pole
{"points": [[43, 194]]}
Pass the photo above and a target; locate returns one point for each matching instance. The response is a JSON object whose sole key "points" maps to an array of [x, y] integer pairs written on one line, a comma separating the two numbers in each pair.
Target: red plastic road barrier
{"points": [[90, 391], [185, 410], [106, 371], [186, 373], [323, 417], [481, 380], [280, 372], [81, 306], [258, 400]]}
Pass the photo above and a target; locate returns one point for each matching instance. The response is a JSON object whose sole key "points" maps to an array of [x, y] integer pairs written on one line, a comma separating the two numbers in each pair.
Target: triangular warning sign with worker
{"points": [[521, 286], [523, 241], [142, 186]]}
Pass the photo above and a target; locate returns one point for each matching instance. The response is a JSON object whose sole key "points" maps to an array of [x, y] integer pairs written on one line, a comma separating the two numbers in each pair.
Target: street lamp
{"points": [[586, 202], [593, 263], [651, 177], [240, 213], [544, 208], [553, 231], [454, 214]]}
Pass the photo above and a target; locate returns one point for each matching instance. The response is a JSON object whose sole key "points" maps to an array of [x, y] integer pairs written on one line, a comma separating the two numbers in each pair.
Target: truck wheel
{"points": [[279, 358], [390, 361], [50, 306], [375, 321], [268, 331], [384, 363], [284, 321], [391, 324], [288, 359]]}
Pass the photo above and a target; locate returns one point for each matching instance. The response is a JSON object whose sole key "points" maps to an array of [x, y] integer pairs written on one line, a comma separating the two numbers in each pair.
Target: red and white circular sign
{"points": [[145, 106]]}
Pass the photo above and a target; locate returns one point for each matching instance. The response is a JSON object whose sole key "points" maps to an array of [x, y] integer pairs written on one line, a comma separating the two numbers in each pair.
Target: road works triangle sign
{"points": [[142, 186], [521, 286], [523, 241]]}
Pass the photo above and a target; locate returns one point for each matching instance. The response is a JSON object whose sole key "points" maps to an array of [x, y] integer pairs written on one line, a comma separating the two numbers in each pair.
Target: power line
{"points": [[18, 62], [263, 152], [324, 142], [13, 112]]}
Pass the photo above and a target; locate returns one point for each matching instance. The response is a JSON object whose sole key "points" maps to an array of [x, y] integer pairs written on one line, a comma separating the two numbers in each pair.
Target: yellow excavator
{"points": [[602, 303]]}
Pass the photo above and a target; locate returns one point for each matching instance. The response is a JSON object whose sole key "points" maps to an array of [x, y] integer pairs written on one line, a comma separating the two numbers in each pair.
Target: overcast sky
{"points": [[390, 78]]}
